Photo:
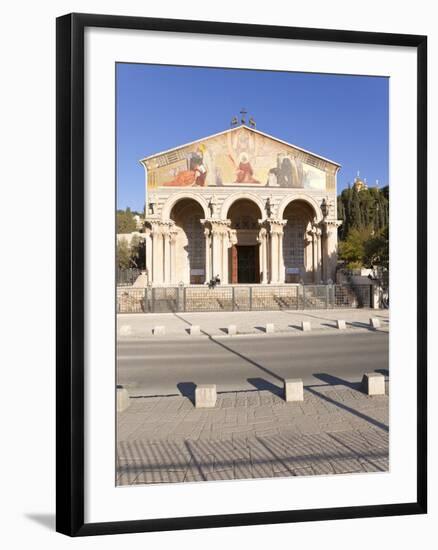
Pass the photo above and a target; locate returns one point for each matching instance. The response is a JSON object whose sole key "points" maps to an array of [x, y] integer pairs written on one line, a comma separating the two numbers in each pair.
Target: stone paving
{"points": [[138, 325], [253, 434]]}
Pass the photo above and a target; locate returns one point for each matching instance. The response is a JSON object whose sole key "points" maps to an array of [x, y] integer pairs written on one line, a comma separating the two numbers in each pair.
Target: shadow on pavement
{"points": [[334, 380], [187, 389], [261, 384], [331, 380]]}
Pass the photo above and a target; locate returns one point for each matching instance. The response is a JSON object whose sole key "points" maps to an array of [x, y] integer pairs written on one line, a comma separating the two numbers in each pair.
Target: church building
{"points": [[242, 205]]}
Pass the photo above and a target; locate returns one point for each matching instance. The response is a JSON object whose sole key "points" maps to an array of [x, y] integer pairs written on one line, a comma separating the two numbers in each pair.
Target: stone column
{"points": [[318, 233], [159, 235], [148, 254], [157, 254], [281, 269], [232, 241], [312, 234], [225, 247], [207, 254], [166, 228], [330, 249], [173, 240], [263, 256], [276, 261], [216, 256], [273, 257], [218, 229], [166, 262]]}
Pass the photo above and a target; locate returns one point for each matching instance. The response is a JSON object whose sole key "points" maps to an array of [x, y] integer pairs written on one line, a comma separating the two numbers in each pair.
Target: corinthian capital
{"points": [[275, 225]]}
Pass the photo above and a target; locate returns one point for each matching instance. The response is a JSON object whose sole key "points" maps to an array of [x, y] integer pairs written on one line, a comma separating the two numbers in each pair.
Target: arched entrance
{"points": [[244, 263], [188, 262], [297, 246]]}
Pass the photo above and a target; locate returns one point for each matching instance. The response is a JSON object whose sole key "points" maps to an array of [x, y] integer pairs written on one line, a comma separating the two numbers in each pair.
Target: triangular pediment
{"points": [[239, 156]]}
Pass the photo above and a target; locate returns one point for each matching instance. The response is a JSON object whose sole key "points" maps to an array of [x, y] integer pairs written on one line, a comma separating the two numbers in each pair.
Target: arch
{"points": [[188, 242], [228, 202], [173, 199], [244, 215], [300, 197], [299, 251]]}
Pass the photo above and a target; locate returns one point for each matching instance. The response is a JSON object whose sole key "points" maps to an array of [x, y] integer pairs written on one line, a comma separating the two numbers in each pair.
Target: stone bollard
{"points": [[341, 325], [293, 390], [306, 326], [125, 330], [270, 327], [195, 330], [122, 399], [232, 329], [205, 395], [374, 323], [159, 331], [373, 383]]}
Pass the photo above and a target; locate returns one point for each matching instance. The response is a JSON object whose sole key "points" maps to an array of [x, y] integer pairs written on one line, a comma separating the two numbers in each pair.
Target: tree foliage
{"points": [[368, 208], [132, 254], [377, 250], [125, 221], [352, 250], [123, 254], [137, 249], [364, 234]]}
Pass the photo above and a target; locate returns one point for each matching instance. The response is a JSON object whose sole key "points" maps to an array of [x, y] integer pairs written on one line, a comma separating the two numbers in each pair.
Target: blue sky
{"points": [[343, 118]]}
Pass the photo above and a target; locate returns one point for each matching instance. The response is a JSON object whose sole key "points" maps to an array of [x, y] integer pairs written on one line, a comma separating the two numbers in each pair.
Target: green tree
{"points": [[123, 254], [376, 250], [125, 221], [137, 252], [365, 208], [355, 221]]}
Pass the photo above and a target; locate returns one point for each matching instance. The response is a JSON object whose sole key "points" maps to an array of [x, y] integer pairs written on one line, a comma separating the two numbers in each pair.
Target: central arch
{"points": [[229, 201], [244, 262]]}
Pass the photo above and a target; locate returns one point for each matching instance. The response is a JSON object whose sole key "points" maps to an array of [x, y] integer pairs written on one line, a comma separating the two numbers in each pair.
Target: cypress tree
{"points": [[366, 209], [355, 211]]}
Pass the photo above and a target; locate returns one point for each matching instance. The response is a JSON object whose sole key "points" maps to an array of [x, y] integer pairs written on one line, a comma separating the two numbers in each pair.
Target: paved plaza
{"points": [[337, 429], [252, 432]]}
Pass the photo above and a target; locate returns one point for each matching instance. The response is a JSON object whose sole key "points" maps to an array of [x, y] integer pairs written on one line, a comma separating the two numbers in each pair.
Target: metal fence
{"points": [[127, 277], [242, 298]]}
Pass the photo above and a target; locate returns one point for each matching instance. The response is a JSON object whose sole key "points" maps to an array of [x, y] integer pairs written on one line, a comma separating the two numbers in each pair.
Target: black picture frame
{"points": [[70, 273]]}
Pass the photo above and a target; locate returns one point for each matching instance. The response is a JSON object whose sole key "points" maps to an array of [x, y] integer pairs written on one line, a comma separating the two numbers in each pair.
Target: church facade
{"points": [[241, 205]]}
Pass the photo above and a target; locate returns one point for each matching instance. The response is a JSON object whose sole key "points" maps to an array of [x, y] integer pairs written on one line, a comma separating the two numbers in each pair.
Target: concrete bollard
{"points": [[125, 330], [232, 329], [205, 396], [374, 323], [373, 383], [293, 390], [195, 330], [270, 327], [122, 399], [159, 331], [341, 325], [306, 326]]}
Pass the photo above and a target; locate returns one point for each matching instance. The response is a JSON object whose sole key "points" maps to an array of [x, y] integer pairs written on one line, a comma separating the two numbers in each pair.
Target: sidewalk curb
{"points": [[292, 333]]}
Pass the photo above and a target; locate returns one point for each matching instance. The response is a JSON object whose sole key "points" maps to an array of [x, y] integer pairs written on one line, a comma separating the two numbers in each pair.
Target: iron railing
{"points": [[127, 277], [242, 298]]}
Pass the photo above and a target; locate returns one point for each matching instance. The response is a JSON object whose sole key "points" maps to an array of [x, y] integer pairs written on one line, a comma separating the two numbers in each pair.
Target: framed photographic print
{"points": [[235, 204]]}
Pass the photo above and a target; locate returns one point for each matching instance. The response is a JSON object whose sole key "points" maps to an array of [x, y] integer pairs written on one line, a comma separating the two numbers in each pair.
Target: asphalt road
{"points": [[173, 367]]}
